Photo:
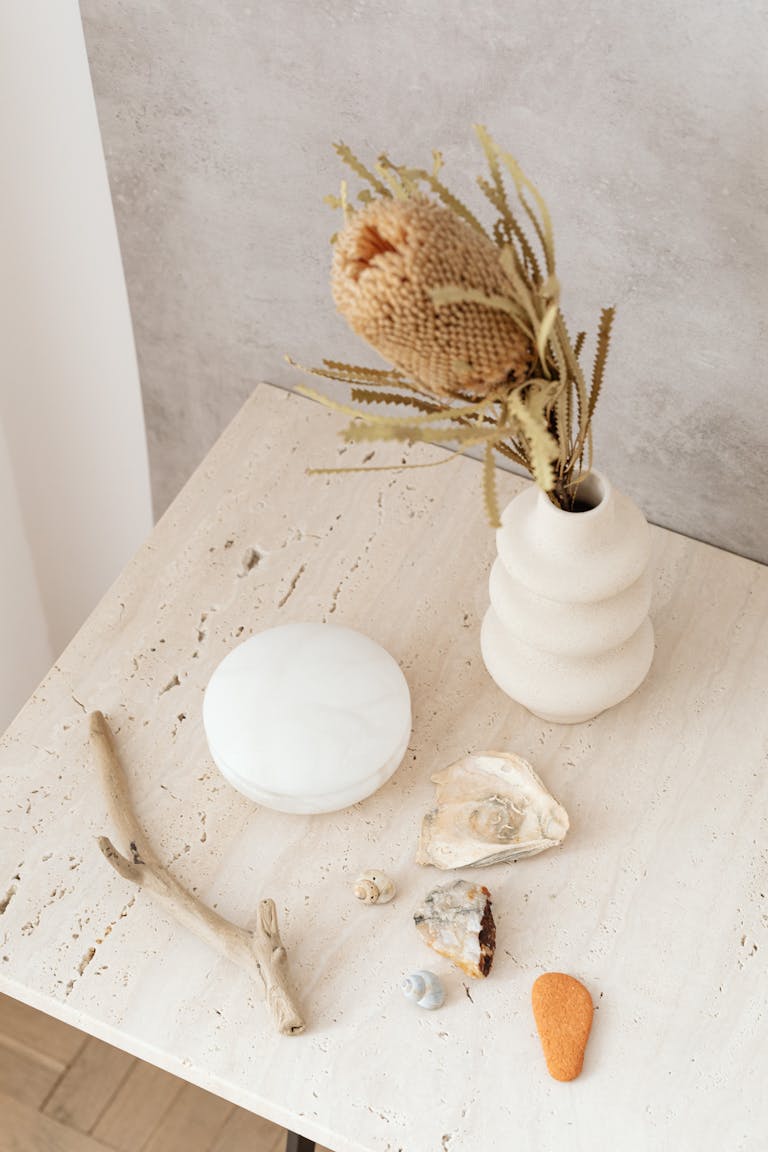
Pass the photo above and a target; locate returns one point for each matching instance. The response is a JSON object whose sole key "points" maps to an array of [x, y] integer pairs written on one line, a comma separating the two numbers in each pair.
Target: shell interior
{"points": [[491, 807]]}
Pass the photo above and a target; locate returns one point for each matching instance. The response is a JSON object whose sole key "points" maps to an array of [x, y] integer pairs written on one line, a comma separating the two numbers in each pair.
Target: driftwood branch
{"points": [[259, 952]]}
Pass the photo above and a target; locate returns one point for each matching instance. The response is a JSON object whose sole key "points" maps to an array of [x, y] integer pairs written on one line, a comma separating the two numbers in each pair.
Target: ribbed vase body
{"points": [[567, 633]]}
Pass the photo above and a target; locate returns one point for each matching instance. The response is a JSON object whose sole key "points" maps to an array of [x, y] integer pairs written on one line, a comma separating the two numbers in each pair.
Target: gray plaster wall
{"points": [[645, 125]]}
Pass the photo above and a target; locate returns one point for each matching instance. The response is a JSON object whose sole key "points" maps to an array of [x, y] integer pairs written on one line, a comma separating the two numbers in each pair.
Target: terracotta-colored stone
{"points": [[562, 1008]]}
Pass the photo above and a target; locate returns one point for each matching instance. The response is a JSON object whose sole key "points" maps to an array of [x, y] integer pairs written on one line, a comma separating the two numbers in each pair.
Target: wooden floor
{"points": [[63, 1091]]}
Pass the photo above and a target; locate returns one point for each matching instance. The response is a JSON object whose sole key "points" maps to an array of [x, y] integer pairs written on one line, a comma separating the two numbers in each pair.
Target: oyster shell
{"points": [[456, 920], [491, 807]]}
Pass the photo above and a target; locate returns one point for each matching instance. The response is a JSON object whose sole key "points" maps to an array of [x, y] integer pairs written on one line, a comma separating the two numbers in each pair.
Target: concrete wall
{"points": [[645, 125]]}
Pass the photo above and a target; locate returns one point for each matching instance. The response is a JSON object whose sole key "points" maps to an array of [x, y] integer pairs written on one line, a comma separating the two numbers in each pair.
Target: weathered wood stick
{"points": [[259, 952]]}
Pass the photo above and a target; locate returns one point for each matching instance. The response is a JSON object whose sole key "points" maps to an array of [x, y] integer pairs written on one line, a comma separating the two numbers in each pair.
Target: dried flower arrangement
{"points": [[469, 319]]}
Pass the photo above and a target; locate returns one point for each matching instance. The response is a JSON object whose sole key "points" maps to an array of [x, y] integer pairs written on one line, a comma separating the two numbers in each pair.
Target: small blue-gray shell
{"points": [[425, 988]]}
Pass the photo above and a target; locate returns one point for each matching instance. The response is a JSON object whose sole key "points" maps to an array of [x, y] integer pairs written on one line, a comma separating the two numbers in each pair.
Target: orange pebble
{"points": [[562, 1008]]}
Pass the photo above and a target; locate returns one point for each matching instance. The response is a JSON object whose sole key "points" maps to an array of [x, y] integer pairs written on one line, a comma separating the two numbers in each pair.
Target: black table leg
{"points": [[296, 1143]]}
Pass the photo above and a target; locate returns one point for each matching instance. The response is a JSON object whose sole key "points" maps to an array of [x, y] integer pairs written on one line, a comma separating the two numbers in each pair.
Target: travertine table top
{"points": [[657, 900]]}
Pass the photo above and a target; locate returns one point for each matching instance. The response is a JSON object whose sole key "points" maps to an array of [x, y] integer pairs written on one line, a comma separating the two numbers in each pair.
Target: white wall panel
{"points": [[76, 478]]}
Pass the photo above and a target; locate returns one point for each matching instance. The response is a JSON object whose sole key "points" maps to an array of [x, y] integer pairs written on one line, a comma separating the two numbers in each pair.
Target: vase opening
{"points": [[590, 493]]}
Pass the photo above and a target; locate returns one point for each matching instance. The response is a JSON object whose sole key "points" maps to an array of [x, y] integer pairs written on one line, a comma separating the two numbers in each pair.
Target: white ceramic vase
{"points": [[567, 633]]}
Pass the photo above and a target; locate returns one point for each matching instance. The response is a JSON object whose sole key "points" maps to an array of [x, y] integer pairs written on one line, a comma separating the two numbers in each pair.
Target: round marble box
{"points": [[307, 717]]}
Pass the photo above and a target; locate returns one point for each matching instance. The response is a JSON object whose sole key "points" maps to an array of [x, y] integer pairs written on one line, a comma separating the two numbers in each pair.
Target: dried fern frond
{"points": [[542, 224], [374, 375], [497, 194], [436, 414], [545, 330], [523, 291], [447, 198], [603, 341], [512, 454], [352, 375], [489, 488], [372, 396], [453, 294], [543, 448], [345, 153], [399, 188]]}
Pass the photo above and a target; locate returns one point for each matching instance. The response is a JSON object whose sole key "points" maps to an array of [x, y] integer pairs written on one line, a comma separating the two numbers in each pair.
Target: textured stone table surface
{"points": [[657, 900]]}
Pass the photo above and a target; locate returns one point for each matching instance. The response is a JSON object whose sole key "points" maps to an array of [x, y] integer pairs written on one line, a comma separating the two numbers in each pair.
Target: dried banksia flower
{"points": [[470, 320], [389, 259]]}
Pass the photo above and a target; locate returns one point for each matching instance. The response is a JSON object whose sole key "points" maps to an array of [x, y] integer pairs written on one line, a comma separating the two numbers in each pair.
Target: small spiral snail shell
{"points": [[374, 887], [425, 988]]}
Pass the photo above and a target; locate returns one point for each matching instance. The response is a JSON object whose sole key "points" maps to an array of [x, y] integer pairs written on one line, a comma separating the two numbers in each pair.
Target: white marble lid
{"points": [[307, 717]]}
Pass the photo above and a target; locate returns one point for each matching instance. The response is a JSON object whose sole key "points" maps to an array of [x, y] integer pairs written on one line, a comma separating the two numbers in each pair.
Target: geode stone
{"points": [[456, 921]]}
